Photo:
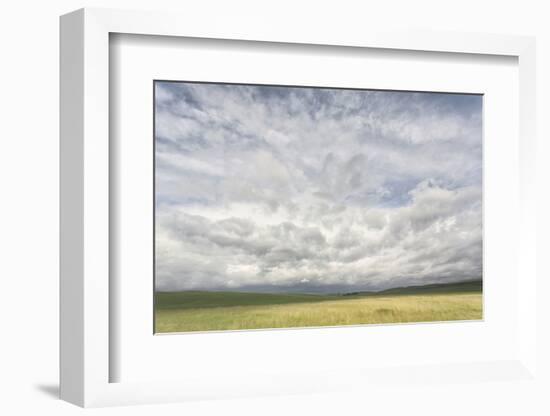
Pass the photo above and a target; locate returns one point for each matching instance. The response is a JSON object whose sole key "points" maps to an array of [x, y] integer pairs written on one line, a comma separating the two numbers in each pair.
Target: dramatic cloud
{"points": [[315, 190]]}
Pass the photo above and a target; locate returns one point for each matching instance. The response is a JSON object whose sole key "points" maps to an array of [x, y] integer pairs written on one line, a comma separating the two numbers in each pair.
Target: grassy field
{"points": [[209, 311]]}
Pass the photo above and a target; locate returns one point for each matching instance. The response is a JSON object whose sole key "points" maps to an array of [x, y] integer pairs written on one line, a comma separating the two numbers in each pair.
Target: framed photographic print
{"points": [[273, 212]]}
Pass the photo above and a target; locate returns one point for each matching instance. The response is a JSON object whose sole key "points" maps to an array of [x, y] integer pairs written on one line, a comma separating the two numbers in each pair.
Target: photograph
{"points": [[280, 206]]}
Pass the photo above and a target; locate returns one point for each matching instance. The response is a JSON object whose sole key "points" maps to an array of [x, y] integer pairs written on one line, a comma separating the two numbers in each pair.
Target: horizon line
{"points": [[322, 293]]}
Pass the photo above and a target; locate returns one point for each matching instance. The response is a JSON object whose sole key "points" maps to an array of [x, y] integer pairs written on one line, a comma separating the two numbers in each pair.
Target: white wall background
{"points": [[29, 56]]}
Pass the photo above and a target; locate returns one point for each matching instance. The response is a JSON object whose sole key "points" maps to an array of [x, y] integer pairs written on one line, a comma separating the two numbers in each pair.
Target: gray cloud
{"points": [[271, 188]]}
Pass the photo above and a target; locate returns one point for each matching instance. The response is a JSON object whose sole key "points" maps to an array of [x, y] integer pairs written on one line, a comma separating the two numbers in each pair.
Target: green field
{"points": [[214, 311]]}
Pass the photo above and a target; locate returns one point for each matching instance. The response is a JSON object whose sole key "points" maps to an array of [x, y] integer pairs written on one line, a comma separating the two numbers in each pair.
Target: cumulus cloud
{"points": [[315, 190]]}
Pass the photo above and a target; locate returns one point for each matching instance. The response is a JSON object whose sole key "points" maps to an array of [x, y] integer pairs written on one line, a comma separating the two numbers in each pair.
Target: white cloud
{"points": [[267, 188]]}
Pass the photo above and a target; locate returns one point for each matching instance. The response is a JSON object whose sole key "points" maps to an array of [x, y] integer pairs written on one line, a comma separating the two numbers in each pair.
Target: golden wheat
{"points": [[345, 311]]}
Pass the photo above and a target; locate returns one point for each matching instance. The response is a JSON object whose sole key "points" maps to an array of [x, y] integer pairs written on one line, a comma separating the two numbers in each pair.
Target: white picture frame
{"points": [[85, 221]]}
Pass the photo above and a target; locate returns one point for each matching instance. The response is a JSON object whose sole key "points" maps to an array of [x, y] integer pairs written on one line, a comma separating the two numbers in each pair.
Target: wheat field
{"points": [[215, 311]]}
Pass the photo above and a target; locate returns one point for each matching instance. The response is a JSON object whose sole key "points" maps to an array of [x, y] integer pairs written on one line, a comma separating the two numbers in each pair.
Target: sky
{"points": [[315, 190]]}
